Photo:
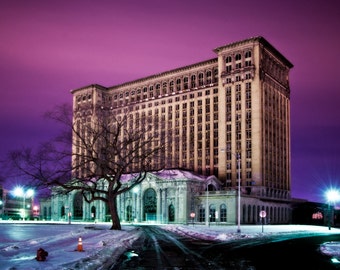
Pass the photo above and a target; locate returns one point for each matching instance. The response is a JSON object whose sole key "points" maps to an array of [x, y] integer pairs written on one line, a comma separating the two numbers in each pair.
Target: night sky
{"points": [[48, 48]]}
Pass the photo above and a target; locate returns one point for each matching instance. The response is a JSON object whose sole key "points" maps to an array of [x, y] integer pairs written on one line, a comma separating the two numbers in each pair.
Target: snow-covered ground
{"points": [[102, 247]]}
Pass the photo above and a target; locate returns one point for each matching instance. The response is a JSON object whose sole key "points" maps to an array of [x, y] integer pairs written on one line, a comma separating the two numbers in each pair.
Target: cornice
{"points": [[166, 73]]}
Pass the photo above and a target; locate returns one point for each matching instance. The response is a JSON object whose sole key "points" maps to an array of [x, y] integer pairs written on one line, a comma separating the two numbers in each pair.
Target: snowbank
{"points": [[102, 247]]}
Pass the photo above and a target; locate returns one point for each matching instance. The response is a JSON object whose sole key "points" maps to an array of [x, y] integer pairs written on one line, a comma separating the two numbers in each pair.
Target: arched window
{"points": [[247, 61], [171, 86], [158, 90], [78, 206], [62, 212], [93, 212], [164, 88], [238, 63], [200, 79], [171, 213], [186, 82], [201, 215], [223, 213], [178, 84], [228, 59], [193, 81], [247, 54], [209, 80], [150, 204], [212, 213], [129, 213]]}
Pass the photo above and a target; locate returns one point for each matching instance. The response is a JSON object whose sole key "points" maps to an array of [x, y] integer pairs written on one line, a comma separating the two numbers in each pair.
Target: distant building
{"points": [[16, 208], [227, 117]]}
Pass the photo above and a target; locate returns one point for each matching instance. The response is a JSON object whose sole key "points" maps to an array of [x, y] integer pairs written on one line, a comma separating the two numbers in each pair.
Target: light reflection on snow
{"points": [[335, 260], [103, 246], [331, 249]]}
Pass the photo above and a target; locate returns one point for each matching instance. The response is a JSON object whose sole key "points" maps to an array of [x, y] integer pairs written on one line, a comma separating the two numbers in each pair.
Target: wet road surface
{"points": [[160, 249]]}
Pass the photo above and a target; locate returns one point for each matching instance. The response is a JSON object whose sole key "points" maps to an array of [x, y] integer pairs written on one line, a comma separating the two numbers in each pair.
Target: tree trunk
{"points": [[114, 214]]}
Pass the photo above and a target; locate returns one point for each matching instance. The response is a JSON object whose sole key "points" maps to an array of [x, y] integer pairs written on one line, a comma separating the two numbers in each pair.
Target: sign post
{"points": [[263, 214], [192, 215]]}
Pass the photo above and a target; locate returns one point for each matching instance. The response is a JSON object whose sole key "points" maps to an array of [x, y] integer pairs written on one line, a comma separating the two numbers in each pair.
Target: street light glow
{"points": [[332, 195], [20, 192]]}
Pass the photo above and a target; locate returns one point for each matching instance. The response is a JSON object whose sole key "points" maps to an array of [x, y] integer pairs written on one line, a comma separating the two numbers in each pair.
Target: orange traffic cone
{"points": [[80, 244]]}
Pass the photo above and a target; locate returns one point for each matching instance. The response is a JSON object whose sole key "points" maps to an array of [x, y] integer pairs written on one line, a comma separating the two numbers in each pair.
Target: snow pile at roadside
{"points": [[226, 233], [101, 249], [229, 233]]}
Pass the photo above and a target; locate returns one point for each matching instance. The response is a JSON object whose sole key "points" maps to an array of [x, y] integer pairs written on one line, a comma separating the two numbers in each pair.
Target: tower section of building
{"points": [[208, 115], [254, 111]]}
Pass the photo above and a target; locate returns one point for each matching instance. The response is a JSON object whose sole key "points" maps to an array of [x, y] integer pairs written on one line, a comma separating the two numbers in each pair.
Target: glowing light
{"points": [[335, 260], [20, 192], [332, 195]]}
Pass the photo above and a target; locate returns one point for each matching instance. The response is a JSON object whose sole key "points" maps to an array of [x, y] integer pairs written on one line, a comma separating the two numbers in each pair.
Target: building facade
{"points": [[227, 117], [170, 196]]}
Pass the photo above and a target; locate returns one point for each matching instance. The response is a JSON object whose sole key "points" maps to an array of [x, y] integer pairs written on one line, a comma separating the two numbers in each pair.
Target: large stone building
{"points": [[227, 117]]}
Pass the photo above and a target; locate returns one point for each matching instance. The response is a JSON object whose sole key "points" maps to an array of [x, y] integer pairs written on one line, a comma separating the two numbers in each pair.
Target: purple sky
{"points": [[48, 48]]}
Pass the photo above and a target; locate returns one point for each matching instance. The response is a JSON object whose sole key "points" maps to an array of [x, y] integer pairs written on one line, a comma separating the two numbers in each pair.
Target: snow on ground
{"points": [[102, 247]]}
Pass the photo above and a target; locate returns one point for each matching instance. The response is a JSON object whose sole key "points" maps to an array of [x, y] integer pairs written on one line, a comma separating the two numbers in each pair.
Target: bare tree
{"points": [[91, 155]]}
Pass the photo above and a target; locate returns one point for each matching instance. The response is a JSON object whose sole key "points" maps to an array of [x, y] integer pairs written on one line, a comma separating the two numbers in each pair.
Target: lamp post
{"points": [[332, 196], [207, 212], [20, 192], [238, 160], [238, 193], [135, 190]]}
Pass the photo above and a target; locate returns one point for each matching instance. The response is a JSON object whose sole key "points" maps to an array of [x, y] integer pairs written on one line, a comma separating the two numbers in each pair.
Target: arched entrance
{"points": [[129, 213], [171, 213], [78, 206], [93, 212], [62, 212], [150, 205]]}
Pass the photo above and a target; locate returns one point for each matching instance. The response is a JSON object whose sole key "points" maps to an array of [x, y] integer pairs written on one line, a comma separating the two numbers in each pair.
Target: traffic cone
{"points": [[80, 245]]}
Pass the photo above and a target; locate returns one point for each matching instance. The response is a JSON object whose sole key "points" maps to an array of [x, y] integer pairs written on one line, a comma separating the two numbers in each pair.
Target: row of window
{"points": [[238, 61], [166, 88]]}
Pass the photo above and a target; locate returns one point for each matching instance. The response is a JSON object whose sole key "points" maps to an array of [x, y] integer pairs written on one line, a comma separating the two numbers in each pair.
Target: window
{"points": [[247, 63], [208, 77], [248, 59], [238, 61], [165, 88], [200, 79], [178, 84], [171, 85], [158, 90], [223, 213], [201, 216], [212, 213], [193, 81], [186, 82]]}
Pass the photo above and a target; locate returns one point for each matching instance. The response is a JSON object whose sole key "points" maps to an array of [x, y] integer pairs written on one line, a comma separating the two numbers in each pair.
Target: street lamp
{"points": [[135, 191], [239, 193], [238, 160], [332, 196], [207, 212], [20, 192]]}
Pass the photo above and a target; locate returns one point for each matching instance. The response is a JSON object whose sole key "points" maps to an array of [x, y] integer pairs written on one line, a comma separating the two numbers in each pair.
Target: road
{"points": [[159, 249]]}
